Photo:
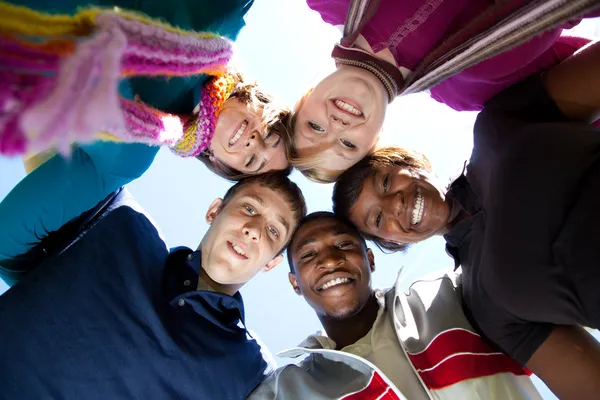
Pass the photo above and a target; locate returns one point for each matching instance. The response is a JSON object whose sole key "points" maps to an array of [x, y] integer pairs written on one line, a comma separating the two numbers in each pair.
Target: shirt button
{"points": [[181, 302], [378, 294], [190, 256], [187, 283]]}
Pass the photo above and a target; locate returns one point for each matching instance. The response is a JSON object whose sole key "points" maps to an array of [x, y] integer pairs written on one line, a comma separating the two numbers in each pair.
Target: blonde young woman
{"points": [[338, 121]]}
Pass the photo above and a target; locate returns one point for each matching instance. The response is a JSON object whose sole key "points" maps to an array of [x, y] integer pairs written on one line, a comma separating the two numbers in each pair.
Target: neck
{"points": [[205, 282], [347, 331]]}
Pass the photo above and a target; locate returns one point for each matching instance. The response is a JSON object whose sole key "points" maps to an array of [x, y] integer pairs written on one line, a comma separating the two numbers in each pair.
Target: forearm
{"points": [[62, 189], [569, 363]]}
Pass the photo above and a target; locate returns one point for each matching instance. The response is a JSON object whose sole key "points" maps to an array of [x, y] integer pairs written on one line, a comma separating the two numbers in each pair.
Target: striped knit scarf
{"points": [[59, 79], [512, 23]]}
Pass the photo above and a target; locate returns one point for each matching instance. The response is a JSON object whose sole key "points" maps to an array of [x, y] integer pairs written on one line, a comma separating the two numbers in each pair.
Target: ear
{"points": [[213, 210], [294, 283], [273, 263], [371, 259]]}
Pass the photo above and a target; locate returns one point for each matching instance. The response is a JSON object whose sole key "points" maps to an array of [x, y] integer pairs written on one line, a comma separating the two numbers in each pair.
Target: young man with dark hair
{"points": [[111, 313], [382, 344]]}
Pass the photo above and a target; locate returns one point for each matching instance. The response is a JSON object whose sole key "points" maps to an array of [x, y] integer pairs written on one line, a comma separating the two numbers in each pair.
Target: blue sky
{"points": [[286, 47]]}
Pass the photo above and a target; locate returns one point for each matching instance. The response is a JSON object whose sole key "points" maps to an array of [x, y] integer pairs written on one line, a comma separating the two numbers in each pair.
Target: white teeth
{"points": [[238, 249], [238, 134], [418, 208], [348, 107], [334, 282]]}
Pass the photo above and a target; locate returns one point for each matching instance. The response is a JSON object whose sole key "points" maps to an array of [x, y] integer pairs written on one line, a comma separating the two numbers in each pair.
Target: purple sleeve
{"points": [[332, 11]]}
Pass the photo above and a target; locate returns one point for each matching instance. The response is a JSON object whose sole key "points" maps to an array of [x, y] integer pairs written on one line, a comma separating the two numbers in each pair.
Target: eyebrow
{"points": [[258, 199], [313, 240], [341, 154], [285, 224]]}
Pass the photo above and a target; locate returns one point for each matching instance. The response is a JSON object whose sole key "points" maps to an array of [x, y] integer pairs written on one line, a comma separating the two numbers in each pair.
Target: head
{"points": [[393, 198], [249, 228], [250, 136], [330, 265], [337, 122]]}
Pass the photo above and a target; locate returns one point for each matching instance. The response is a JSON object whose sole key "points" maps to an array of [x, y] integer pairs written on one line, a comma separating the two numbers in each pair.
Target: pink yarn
{"points": [[83, 96]]}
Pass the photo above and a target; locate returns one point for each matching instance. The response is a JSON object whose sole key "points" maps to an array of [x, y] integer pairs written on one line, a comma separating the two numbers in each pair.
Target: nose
{"points": [[393, 204], [332, 259], [255, 141], [338, 123], [252, 232]]}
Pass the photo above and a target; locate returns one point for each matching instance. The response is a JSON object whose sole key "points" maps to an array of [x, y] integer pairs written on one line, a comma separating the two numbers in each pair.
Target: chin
{"points": [[343, 311]]}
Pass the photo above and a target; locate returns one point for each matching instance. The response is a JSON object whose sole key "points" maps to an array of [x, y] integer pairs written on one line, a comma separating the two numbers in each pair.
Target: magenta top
{"points": [[411, 29]]}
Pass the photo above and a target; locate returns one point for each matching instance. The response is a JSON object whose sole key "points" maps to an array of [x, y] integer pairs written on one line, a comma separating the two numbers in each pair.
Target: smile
{"points": [[237, 251], [334, 282], [342, 105], [238, 134], [418, 207]]}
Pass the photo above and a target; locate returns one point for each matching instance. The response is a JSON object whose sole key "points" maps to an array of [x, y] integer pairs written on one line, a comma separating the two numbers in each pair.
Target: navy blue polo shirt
{"points": [[118, 316]]}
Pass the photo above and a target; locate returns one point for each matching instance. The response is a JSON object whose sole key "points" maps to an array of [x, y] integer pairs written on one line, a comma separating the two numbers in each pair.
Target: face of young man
{"points": [[332, 268], [246, 234]]}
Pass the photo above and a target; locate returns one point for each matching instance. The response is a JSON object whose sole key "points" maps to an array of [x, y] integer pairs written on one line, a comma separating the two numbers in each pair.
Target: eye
{"points": [[273, 232], [307, 256], [250, 161], [345, 245], [315, 127], [386, 182], [378, 220], [348, 143], [250, 210]]}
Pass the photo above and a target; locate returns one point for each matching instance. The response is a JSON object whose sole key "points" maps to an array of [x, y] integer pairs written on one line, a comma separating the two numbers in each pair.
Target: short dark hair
{"points": [[278, 182], [319, 215], [274, 118], [349, 185]]}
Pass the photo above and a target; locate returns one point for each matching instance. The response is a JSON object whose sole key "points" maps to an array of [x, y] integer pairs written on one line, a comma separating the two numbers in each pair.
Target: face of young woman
{"points": [[341, 118], [241, 143], [400, 207]]}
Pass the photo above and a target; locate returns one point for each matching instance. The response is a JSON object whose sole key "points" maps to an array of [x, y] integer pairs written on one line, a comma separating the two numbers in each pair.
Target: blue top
{"points": [[117, 316], [60, 190]]}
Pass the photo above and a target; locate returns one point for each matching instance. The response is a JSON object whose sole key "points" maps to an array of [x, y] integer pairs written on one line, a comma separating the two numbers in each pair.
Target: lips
{"points": [[418, 207], [239, 132], [238, 250], [347, 107], [334, 280]]}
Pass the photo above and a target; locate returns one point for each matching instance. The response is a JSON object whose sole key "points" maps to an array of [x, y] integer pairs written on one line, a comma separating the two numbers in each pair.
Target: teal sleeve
{"points": [[63, 188]]}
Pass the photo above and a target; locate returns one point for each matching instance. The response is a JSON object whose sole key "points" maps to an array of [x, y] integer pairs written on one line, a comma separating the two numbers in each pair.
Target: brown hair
{"points": [[281, 184], [274, 118], [349, 185]]}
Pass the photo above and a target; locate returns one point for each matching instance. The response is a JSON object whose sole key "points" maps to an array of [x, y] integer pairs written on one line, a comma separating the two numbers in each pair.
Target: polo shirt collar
{"points": [[180, 282]]}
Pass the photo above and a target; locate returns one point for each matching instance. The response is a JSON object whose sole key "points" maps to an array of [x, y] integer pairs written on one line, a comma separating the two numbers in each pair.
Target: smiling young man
{"points": [[382, 344], [103, 310]]}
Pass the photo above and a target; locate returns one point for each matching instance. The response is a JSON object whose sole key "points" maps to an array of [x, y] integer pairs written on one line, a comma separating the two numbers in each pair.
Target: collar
{"points": [[465, 202], [389, 75], [180, 281]]}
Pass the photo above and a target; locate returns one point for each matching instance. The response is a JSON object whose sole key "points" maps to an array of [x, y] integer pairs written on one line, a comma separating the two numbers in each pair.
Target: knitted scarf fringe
{"points": [[64, 88]]}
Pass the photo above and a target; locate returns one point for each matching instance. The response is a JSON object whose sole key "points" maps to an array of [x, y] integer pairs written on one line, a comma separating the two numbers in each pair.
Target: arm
{"points": [[61, 189], [569, 363], [574, 84]]}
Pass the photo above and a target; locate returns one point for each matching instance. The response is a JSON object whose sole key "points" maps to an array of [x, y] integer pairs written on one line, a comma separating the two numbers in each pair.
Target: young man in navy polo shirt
{"points": [[111, 313]]}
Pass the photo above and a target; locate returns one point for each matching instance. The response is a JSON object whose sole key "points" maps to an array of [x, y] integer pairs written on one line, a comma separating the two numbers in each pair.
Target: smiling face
{"points": [[332, 267], [246, 234], [396, 205], [341, 118], [241, 142]]}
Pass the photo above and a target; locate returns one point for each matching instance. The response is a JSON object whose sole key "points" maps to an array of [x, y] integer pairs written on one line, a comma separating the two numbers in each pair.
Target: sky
{"points": [[286, 47]]}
